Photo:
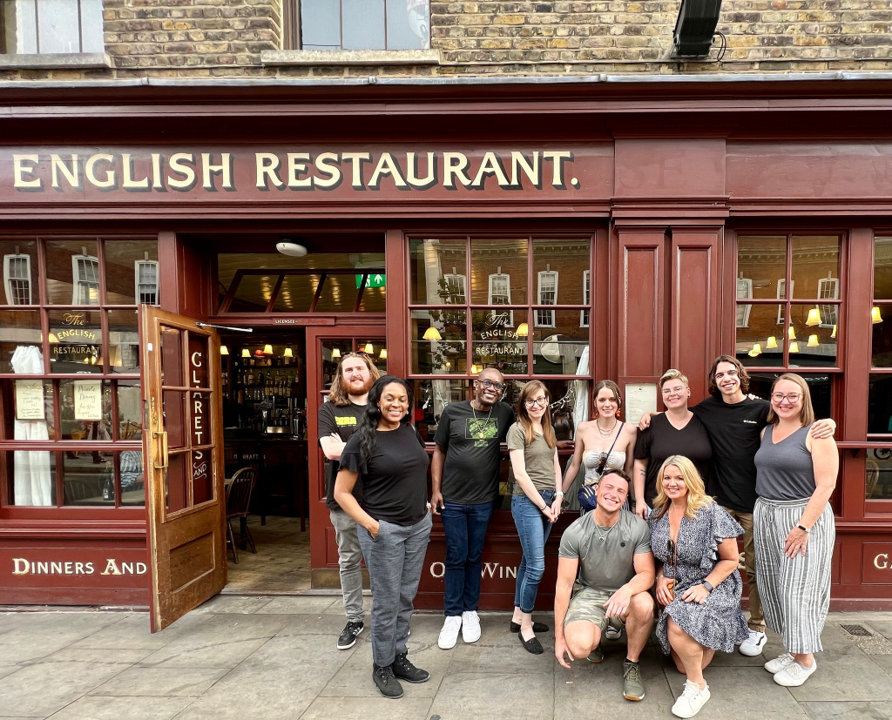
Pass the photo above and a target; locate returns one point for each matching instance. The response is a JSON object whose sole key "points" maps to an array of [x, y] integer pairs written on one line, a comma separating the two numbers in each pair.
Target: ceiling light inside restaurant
{"points": [[791, 333], [833, 334], [246, 353], [383, 354], [267, 349], [814, 317], [875, 316], [336, 353], [794, 347], [813, 341], [291, 249], [432, 334], [288, 353], [369, 349], [224, 350], [523, 330], [772, 342], [756, 351]]}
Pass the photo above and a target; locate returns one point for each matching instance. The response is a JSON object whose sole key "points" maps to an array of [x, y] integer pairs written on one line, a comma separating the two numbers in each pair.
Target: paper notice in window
{"points": [[640, 398], [29, 400], [88, 400]]}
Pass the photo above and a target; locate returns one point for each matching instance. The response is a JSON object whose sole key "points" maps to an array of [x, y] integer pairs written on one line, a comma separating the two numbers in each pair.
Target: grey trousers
{"points": [[395, 560], [350, 562]]}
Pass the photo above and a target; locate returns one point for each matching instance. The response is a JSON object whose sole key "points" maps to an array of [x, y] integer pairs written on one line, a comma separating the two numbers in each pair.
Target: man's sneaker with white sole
{"points": [[449, 633], [470, 626]]}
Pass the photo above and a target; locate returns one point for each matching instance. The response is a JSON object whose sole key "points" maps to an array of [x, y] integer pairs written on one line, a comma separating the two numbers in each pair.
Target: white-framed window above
{"points": [[744, 292], [828, 289], [782, 295], [17, 279], [585, 315], [500, 291], [456, 288], [333, 25], [547, 295], [85, 279], [36, 27], [146, 276]]}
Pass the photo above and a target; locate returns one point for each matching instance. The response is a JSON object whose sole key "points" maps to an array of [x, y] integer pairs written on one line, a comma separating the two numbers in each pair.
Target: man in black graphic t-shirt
{"points": [[465, 485]]}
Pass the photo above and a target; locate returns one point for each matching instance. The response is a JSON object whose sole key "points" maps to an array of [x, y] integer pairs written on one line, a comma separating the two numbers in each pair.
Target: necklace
{"points": [[481, 429], [609, 432], [603, 537]]}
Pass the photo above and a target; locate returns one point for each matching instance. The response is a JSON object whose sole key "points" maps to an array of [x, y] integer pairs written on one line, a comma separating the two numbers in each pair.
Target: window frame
{"points": [[585, 315], [498, 276], [539, 297], [36, 39], [8, 280], [137, 266], [298, 14]]}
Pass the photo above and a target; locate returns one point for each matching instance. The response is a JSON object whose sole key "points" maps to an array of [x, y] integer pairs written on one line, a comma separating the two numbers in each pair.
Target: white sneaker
{"points": [[779, 663], [794, 674], [470, 626], [692, 699], [449, 633], [753, 645]]}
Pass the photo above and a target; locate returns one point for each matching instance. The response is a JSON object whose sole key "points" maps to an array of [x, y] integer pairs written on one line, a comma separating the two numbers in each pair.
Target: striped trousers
{"points": [[795, 592]]}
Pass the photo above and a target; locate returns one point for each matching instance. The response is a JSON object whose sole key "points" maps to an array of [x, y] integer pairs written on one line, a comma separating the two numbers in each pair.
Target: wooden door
{"points": [[186, 501]]}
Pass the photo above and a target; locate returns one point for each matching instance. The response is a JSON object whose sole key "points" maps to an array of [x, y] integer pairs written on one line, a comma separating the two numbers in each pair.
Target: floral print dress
{"points": [[719, 622]]}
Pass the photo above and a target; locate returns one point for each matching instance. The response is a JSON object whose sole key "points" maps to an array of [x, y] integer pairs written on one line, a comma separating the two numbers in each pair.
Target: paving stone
{"points": [[844, 673], [849, 710], [234, 604], [109, 656], [133, 632], [494, 695], [44, 688], [373, 708], [46, 633], [161, 682], [301, 605], [8, 670], [884, 662], [487, 658], [95, 707], [319, 624]]}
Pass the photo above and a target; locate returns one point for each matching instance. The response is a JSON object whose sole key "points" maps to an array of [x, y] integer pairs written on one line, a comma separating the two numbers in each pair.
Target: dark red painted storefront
{"points": [[667, 180]]}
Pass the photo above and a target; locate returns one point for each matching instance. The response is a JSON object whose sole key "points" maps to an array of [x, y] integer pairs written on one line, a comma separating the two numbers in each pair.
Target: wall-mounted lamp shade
{"points": [[246, 353], [224, 350], [814, 317], [336, 353], [813, 341], [267, 349], [695, 27], [794, 347], [523, 330], [772, 342], [756, 351], [369, 349], [791, 333], [288, 353], [833, 334], [383, 355], [432, 334], [875, 316]]}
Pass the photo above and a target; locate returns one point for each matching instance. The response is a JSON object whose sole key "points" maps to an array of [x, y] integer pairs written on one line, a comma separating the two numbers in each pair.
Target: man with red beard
{"points": [[338, 419]]}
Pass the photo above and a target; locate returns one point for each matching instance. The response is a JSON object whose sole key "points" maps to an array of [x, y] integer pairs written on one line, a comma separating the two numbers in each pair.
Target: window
{"points": [[85, 272], [781, 295], [500, 291], [364, 24], [52, 26], [744, 292], [456, 288], [828, 289], [146, 275], [17, 278], [584, 315], [548, 289]]}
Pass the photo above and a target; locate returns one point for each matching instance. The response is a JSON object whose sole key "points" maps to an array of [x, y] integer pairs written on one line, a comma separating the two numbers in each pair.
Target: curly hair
{"points": [[368, 423], [741, 373]]}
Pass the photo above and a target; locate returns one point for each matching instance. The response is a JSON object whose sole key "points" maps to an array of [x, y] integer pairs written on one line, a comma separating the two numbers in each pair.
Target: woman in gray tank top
{"points": [[793, 528]]}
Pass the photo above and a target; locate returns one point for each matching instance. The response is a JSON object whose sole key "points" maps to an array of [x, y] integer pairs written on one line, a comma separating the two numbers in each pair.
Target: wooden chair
{"points": [[238, 498]]}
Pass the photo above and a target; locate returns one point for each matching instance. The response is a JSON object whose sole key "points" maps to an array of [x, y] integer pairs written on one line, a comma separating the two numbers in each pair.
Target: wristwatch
{"points": [[707, 585], [559, 493], [804, 529]]}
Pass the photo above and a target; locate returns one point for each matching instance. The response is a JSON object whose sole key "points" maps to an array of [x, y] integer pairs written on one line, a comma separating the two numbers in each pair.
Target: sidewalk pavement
{"points": [[271, 658]]}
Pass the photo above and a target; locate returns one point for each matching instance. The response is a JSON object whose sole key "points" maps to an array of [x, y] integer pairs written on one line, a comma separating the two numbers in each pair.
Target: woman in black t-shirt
{"points": [[393, 522]]}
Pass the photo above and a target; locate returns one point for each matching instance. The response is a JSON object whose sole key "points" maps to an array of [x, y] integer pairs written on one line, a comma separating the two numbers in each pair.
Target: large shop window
{"points": [[879, 406], [71, 431], [363, 24]]}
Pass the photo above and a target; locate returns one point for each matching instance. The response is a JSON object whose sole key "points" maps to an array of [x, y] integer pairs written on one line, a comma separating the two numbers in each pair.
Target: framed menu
{"points": [[29, 400], [640, 398], [88, 400]]}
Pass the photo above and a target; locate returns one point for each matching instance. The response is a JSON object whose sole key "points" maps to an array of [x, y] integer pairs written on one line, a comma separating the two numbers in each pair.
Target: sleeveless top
{"points": [[784, 471], [592, 461]]}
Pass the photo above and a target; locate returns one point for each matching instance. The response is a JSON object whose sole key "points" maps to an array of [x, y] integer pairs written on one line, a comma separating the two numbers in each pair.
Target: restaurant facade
{"points": [[566, 230]]}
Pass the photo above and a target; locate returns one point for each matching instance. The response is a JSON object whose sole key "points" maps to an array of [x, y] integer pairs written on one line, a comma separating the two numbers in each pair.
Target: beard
{"points": [[354, 388]]}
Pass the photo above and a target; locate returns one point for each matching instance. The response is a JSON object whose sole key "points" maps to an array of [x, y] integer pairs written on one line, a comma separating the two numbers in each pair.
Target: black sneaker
{"points": [[348, 635], [385, 682], [405, 670]]}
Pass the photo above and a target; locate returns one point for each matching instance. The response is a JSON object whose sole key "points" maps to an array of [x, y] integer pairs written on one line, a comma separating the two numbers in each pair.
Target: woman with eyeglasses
{"points": [[536, 502], [698, 585], [793, 528]]}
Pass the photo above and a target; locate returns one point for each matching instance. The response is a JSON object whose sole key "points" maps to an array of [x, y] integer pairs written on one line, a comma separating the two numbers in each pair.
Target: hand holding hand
{"points": [[549, 513], [641, 510], [556, 507]]}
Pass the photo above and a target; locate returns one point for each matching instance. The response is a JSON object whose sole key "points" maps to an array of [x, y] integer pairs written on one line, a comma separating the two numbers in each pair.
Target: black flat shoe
{"points": [[537, 627], [532, 645]]}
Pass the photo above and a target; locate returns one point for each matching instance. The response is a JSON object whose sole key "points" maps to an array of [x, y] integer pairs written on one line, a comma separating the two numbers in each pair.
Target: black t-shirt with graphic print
{"points": [[471, 440], [343, 421]]}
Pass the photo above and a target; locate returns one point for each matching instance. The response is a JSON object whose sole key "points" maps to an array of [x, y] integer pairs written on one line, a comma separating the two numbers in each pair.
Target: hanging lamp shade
{"points": [[791, 333], [875, 316], [794, 347], [833, 334], [432, 334], [523, 330], [383, 355], [267, 349], [246, 353], [336, 353], [772, 342], [814, 317], [288, 353], [756, 351], [369, 349], [224, 350], [813, 341]]}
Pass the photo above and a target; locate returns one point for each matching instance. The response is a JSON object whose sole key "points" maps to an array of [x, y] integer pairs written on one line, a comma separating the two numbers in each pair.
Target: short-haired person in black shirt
{"points": [[394, 523], [465, 484], [338, 419], [734, 422]]}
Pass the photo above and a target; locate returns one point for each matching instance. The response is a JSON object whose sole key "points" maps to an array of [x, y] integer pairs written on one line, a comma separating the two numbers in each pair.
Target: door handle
{"points": [[161, 438]]}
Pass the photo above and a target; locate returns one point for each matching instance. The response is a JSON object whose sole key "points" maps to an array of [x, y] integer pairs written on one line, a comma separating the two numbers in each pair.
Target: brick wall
{"points": [[201, 38]]}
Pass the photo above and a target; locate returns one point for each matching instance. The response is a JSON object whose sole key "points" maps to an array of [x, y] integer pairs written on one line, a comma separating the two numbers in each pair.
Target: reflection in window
{"points": [[819, 386], [882, 268], [456, 288], [548, 290], [85, 272], [17, 278], [146, 272], [584, 315], [878, 476], [879, 405], [365, 24]]}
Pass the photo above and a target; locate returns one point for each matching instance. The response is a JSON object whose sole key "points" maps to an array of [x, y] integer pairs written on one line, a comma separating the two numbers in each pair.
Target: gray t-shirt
{"points": [[606, 564], [537, 456]]}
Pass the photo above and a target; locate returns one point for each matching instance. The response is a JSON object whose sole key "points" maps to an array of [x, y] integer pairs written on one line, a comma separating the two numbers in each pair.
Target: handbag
{"points": [[586, 495]]}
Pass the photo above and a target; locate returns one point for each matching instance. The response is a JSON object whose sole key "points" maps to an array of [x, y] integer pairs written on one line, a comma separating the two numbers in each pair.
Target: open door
{"points": [[184, 471]]}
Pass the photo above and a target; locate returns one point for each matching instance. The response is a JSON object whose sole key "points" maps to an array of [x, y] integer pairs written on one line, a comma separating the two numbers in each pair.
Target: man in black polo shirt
{"points": [[338, 419], [465, 485]]}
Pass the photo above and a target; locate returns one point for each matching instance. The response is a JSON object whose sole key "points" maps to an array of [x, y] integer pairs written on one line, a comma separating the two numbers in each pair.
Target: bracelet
{"points": [[804, 529], [707, 585], [559, 493]]}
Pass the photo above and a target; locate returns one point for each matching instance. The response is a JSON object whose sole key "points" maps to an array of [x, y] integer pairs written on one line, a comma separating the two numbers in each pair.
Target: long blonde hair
{"points": [[526, 422], [807, 413], [697, 499]]}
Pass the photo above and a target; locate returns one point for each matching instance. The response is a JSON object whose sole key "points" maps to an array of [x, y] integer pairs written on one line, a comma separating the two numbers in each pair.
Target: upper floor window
{"points": [[146, 276], [456, 288], [364, 24], [584, 315], [548, 289], [17, 278], [85, 271], [51, 26]]}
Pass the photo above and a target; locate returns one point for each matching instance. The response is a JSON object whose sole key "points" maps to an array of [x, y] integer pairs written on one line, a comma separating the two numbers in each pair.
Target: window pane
{"points": [[374, 348], [563, 348], [879, 405], [567, 259], [374, 300], [123, 341], [882, 268], [879, 474], [815, 266], [58, 26], [20, 26], [129, 410], [132, 474], [760, 339], [72, 270], [338, 294], [31, 478], [85, 409], [431, 397], [89, 478], [92, 39], [20, 339], [508, 257], [817, 346], [763, 261], [29, 408], [408, 24], [882, 338], [332, 352], [497, 342], [320, 24], [363, 25], [175, 482], [19, 273], [75, 341], [429, 262], [295, 295], [439, 341], [818, 385], [254, 292], [172, 373], [126, 263]]}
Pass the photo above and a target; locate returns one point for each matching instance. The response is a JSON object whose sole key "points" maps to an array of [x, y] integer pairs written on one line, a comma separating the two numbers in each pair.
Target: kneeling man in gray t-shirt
{"points": [[605, 571]]}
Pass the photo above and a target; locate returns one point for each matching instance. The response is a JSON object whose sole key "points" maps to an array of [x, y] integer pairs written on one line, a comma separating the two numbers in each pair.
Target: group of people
{"points": [[658, 548]]}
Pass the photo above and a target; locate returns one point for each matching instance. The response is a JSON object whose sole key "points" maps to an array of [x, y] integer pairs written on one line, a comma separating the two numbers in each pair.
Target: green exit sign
{"points": [[374, 281]]}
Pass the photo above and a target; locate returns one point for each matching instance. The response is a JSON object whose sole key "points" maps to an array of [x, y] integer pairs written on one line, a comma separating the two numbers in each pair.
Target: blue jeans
{"points": [[465, 527], [533, 528]]}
